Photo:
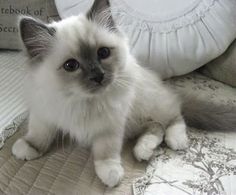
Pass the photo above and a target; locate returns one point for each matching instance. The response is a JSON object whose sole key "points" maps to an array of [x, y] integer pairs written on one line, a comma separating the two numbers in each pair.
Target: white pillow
{"points": [[172, 37]]}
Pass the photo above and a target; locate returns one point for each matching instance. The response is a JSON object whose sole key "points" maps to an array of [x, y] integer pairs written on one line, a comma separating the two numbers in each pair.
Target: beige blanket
{"points": [[66, 170]]}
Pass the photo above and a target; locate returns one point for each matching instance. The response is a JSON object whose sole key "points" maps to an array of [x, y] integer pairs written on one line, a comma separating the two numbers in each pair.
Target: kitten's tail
{"points": [[207, 115]]}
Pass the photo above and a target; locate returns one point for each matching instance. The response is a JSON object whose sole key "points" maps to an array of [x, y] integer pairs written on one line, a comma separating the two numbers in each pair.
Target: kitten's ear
{"points": [[36, 36], [100, 12]]}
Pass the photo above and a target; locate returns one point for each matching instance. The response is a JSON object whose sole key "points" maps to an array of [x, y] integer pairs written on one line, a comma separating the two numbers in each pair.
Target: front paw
{"points": [[23, 151], [146, 146], [109, 171]]}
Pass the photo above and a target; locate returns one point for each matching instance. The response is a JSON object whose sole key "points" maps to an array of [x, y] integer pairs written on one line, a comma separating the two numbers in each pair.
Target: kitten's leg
{"points": [[37, 140], [106, 150], [148, 142], [176, 136]]}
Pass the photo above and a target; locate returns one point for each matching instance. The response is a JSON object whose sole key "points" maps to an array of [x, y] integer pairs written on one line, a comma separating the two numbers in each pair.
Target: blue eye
{"points": [[103, 52], [71, 65]]}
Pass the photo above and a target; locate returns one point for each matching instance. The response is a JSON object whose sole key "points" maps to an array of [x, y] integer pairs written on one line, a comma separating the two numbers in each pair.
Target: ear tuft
{"points": [[100, 12], [36, 36]]}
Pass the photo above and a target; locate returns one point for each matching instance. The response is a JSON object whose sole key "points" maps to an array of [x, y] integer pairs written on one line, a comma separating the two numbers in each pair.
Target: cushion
{"points": [[172, 37], [223, 68], [11, 9]]}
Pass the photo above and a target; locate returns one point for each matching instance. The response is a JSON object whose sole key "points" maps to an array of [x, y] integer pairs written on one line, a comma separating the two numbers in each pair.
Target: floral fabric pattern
{"points": [[208, 166]]}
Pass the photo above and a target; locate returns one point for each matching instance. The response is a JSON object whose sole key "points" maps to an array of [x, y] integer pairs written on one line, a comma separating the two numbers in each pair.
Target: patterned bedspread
{"points": [[209, 165]]}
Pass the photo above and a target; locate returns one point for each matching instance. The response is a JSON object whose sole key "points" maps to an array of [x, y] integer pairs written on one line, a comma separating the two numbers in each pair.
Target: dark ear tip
{"points": [[97, 7], [107, 2], [24, 20]]}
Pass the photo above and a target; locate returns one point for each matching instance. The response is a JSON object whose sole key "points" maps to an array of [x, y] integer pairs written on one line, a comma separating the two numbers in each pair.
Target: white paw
{"points": [[109, 171], [22, 150], [177, 140], [145, 147]]}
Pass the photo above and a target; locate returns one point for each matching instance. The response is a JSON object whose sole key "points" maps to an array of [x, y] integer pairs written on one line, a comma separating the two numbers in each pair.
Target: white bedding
{"points": [[12, 108]]}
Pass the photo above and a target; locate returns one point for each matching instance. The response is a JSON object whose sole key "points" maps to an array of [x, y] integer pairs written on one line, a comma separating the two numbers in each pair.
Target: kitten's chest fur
{"points": [[83, 119]]}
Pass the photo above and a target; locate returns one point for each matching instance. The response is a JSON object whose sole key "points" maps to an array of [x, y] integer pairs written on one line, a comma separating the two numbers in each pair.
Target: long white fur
{"points": [[135, 103]]}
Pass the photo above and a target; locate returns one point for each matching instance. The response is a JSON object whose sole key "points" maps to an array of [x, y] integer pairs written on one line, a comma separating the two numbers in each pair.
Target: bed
{"points": [[207, 167]]}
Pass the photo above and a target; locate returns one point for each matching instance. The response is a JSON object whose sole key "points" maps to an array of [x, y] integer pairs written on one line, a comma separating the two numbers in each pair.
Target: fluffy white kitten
{"points": [[84, 81]]}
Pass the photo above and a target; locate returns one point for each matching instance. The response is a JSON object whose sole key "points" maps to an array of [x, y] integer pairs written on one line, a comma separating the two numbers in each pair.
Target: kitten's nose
{"points": [[98, 78]]}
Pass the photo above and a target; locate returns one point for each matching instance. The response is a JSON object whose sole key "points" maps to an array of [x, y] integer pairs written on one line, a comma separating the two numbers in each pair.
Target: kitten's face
{"points": [[88, 57], [83, 54], [92, 56]]}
